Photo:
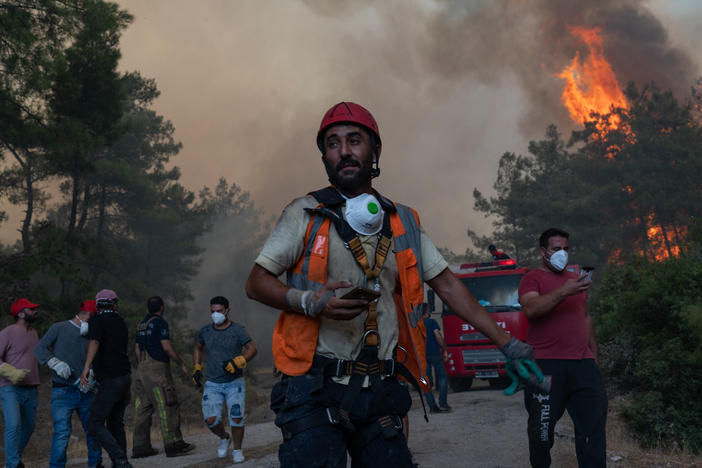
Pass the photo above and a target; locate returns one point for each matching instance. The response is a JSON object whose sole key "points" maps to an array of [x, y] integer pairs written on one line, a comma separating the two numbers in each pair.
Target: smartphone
{"points": [[588, 273], [362, 293]]}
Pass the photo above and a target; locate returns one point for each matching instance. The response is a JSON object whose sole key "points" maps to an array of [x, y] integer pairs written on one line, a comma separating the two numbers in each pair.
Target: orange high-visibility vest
{"points": [[295, 335]]}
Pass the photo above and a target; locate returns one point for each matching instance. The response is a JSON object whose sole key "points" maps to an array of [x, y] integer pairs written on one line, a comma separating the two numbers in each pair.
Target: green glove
{"points": [[13, 374], [526, 372]]}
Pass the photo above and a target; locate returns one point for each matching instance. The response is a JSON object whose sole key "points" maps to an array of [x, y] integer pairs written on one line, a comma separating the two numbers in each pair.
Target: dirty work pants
{"points": [[326, 445], [155, 391], [106, 415], [577, 387]]}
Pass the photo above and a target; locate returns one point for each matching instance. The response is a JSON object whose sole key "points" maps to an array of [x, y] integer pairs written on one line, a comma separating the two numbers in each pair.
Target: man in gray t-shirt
{"points": [[229, 348], [63, 348]]}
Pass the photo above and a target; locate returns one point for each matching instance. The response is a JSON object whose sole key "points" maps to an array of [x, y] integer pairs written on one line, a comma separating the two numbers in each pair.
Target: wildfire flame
{"points": [[590, 86]]}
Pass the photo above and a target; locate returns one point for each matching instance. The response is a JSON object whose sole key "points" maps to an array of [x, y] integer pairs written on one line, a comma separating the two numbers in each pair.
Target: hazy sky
{"points": [[453, 85]]}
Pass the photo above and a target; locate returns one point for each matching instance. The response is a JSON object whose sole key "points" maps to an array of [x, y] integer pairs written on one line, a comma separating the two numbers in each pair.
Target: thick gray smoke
{"points": [[453, 85]]}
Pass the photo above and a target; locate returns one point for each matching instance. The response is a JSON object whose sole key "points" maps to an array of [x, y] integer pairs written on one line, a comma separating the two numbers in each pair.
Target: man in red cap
{"points": [[63, 349], [19, 379], [107, 352], [355, 265]]}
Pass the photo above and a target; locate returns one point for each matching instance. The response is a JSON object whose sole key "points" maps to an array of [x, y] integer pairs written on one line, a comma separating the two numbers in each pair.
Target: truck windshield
{"points": [[495, 293]]}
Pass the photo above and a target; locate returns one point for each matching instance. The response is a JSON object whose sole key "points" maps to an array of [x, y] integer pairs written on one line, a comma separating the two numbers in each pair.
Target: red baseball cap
{"points": [[20, 305], [88, 306]]}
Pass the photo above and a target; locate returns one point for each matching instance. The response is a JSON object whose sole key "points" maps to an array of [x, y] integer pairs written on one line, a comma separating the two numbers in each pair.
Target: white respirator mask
{"points": [[559, 260], [218, 318], [364, 214], [83, 327]]}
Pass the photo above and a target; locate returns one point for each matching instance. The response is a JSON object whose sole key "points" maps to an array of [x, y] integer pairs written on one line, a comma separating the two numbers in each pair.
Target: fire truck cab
{"points": [[470, 354]]}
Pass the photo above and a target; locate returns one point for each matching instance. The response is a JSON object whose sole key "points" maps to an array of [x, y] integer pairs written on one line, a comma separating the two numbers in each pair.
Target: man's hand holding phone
{"points": [[323, 302]]}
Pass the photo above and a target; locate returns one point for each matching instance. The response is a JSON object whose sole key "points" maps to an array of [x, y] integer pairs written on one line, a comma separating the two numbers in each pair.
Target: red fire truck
{"points": [[471, 355]]}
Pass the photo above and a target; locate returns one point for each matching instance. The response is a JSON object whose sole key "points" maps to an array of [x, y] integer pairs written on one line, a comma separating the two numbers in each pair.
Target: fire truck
{"points": [[471, 355]]}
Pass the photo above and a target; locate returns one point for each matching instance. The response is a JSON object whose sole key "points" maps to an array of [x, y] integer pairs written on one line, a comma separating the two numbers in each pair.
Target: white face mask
{"points": [[364, 214], [559, 260], [218, 318], [83, 327]]}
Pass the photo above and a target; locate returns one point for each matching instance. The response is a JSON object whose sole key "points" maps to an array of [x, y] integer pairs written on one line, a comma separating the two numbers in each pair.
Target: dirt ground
{"points": [[485, 429]]}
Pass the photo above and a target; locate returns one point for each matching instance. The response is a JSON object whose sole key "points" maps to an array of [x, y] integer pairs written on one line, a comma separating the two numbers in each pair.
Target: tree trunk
{"points": [[29, 212], [84, 208], [666, 241], [75, 198]]}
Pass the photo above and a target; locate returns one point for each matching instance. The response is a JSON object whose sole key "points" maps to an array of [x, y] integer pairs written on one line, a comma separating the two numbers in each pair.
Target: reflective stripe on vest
{"points": [[295, 335]]}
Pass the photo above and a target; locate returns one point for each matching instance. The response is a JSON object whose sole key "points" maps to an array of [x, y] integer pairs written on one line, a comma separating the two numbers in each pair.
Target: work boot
{"points": [[179, 449], [143, 452], [122, 463]]}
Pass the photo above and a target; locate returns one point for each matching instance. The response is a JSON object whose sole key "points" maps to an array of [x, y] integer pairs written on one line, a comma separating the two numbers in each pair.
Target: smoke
{"points": [[453, 85]]}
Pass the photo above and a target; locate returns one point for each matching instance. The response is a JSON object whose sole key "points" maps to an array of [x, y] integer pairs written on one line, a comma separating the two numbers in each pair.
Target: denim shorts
{"points": [[216, 394]]}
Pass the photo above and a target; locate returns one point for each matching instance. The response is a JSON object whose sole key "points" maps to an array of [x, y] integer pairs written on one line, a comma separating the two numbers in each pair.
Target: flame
{"points": [[660, 239], [591, 86]]}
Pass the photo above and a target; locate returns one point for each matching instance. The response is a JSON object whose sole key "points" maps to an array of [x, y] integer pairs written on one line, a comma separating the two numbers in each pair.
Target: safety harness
{"points": [[366, 363]]}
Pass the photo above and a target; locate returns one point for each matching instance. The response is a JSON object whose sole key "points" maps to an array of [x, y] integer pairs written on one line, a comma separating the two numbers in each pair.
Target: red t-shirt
{"points": [[563, 332]]}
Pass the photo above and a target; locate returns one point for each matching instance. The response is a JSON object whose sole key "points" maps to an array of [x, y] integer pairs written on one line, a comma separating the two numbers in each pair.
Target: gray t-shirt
{"points": [[221, 346], [63, 341]]}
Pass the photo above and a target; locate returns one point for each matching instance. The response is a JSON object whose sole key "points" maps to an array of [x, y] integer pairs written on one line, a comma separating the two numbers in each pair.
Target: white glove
{"points": [[62, 369], [91, 383]]}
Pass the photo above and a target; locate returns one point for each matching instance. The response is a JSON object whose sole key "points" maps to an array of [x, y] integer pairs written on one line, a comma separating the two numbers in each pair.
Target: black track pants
{"points": [[576, 387]]}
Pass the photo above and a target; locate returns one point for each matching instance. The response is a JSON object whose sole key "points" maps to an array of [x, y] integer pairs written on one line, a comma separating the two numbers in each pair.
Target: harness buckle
{"points": [[371, 332], [332, 419], [339, 366], [392, 368], [404, 351]]}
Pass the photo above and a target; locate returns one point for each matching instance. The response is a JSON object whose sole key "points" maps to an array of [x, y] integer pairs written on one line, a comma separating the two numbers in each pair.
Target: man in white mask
{"points": [[229, 348], [63, 349], [554, 301], [352, 307]]}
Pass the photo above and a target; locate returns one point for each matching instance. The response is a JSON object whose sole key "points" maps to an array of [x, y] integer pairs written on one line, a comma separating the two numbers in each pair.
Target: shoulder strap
{"points": [[143, 326]]}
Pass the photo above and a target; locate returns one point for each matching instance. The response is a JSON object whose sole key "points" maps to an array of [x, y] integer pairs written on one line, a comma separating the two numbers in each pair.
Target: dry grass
{"points": [[622, 443]]}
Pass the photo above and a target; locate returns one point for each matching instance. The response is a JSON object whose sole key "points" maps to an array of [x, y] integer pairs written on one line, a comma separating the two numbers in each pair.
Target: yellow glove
{"points": [[13, 374], [197, 374], [232, 365]]}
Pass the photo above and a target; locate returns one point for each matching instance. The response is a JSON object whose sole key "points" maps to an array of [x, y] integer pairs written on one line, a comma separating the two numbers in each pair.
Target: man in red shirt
{"points": [[554, 301]]}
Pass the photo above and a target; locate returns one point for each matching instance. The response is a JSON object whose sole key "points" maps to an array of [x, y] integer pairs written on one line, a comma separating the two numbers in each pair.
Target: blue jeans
{"points": [[216, 394], [436, 361], [19, 404], [65, 400]]}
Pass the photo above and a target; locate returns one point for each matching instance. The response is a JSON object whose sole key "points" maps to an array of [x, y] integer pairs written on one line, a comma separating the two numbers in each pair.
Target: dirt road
{"points": [[485, 429]]}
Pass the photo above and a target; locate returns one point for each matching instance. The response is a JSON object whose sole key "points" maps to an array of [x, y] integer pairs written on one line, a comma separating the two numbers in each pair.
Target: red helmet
{"points": [[347, 112]]}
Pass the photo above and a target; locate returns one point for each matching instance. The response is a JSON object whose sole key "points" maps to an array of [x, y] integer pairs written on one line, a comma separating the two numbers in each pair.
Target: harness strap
{"points": [[387, 426], [318, 417]]}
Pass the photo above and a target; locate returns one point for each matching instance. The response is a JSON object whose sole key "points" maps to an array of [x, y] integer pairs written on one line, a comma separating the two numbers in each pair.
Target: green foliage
{"points": [[608, 188], [122, 219], [649, 321]]}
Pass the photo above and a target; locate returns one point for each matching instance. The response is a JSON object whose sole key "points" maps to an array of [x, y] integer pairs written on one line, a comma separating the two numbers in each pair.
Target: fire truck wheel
{"points": [[460, 384]]}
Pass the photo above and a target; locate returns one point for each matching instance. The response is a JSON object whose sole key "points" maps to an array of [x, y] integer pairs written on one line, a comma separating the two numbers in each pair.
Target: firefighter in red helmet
{"points": [[352, 306]]}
